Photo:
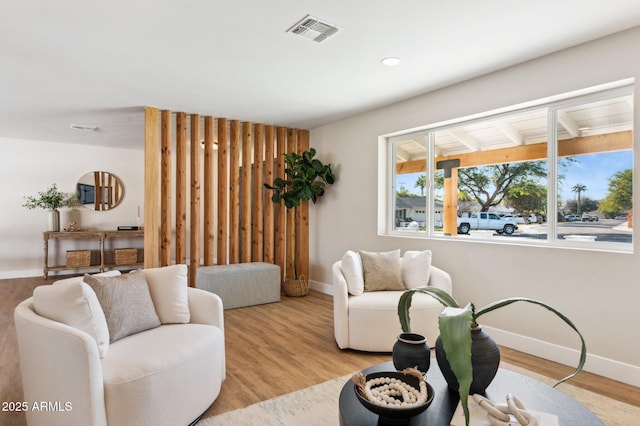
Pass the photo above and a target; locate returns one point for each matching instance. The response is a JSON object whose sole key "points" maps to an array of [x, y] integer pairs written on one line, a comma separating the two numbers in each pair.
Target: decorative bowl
{"points": [[393, 415]]}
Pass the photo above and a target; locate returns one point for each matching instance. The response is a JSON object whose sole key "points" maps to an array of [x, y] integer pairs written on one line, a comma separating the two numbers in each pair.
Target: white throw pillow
{"points": [[353, 274], [75, 304], [416, 268], [168, 288]]}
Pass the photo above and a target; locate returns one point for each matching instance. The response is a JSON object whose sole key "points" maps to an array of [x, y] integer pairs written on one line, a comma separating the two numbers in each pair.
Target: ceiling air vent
{"points": [[313, 28]]}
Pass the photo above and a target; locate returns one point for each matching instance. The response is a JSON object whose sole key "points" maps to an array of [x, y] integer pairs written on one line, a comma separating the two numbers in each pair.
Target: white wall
{"points": [[599, 291], [27, 167]]}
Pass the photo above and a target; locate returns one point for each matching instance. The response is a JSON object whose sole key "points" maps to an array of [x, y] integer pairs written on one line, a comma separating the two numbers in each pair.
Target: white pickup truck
{"points": [[482, 220]]}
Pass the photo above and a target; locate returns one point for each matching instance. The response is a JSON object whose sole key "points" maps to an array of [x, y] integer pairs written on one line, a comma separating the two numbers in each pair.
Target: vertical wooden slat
{"points": [[234, 192], [221, 256], [96, 191], [151, 189], [281, 141], [181, 188], [209, 186], [257, 224], [194, 235], [269, 151], [165, 190], [302, 221], [290, 227], [245, 223]]}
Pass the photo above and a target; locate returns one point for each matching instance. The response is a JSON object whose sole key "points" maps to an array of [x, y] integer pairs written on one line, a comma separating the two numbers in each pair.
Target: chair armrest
{"points": [[440, 279], [340, 306], [59, 363], [205, 307]]}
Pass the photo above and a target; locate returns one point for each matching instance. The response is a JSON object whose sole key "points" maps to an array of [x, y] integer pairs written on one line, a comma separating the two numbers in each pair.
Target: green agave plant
{"points": [[455, 325]]}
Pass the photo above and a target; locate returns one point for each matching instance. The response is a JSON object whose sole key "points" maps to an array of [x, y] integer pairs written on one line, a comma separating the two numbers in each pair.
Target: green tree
{"points": [[620, 196], [527, 196], [578, 188], [421, 183], [586, 205], [404, 193], [489, 185]]}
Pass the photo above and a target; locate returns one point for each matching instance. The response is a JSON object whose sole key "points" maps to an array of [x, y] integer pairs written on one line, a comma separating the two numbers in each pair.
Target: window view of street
{"points": [[514, 176]]}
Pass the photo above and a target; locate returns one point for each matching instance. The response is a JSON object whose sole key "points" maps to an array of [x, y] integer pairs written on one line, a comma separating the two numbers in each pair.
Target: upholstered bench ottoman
{"points": [[241, 284]]}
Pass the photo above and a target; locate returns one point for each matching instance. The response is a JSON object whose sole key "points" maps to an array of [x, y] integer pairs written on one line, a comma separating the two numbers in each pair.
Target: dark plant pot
{"points": [[411, 350], [485, 360]]}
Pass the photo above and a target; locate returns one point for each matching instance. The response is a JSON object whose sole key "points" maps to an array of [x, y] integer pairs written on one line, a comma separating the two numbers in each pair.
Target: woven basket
{"points": [[126, 256], [78, 258], [296, 287]]}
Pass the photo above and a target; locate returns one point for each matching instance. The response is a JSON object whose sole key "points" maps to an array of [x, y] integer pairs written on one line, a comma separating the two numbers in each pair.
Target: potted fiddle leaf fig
{"points": [[458, 330], [305, 179]]}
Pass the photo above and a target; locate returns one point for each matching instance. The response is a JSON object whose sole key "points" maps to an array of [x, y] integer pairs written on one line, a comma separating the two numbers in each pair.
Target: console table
{"points": [[97, 237], [533, 394]]}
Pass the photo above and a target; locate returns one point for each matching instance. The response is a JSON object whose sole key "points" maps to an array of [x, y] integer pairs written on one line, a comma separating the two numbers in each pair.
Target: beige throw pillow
{"points": [[126, 303], [381, 270]]}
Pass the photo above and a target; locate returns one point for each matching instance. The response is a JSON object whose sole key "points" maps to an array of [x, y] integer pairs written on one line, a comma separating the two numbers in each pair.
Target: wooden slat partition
{"points": [[257, 216], [181, 188], [290, 227], [151, 192], [302, 219], [222, 191], [269, 207], [194, 232], [240, 223], [245, 209], [234, 192], [209, 190], [165, 190], [280, 222]]}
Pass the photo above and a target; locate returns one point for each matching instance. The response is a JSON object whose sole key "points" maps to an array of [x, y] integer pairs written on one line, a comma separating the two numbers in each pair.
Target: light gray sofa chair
{"points": [[369, 322], [168, 375]]}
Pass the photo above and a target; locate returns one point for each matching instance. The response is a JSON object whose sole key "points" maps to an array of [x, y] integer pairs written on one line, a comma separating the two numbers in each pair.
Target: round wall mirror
{"points": [[99, 190]]}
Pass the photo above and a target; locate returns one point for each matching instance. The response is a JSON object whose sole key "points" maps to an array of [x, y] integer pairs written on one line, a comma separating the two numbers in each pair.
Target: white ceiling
{"points": [[99, 63]]}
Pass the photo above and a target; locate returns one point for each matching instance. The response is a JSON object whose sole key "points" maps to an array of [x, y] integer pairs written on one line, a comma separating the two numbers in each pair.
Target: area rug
{"points": [[318, 406]]}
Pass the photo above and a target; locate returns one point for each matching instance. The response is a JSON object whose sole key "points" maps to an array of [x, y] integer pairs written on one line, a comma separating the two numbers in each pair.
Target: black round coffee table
{"points": [[534, 394]]}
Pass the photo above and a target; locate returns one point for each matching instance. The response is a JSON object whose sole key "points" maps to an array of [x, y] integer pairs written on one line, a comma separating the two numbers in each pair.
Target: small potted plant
{"points": [[51, 200], [457, 325], [306, 178]]}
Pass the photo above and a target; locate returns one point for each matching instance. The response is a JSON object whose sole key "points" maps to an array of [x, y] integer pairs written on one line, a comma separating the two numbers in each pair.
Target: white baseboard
{"points": [[21, 273], [321, 287], [595, 364]]}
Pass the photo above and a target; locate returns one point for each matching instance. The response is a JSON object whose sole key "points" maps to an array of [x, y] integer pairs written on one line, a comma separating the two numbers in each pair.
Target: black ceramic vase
{"points": [[485, 360], [411, 350]]}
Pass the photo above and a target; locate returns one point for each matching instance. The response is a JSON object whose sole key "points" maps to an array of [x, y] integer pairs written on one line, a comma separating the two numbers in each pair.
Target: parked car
{"points": [[572, 218], [589, 218], [621, 217], [533, 218], [482, 220]]}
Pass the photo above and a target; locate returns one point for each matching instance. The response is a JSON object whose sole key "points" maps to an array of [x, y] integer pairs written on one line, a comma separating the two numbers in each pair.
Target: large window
{"points": [[555, 173]]}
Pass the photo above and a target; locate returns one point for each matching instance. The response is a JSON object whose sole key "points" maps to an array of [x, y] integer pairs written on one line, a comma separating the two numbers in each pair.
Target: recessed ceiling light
{"points": [[391, 61], [84, 127]]}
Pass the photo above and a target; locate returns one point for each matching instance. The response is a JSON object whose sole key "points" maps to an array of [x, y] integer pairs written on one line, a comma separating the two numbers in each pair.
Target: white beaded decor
{"points": [[391, 392]]}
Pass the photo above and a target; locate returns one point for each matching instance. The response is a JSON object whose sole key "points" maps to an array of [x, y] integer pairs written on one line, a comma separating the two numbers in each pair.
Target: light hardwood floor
{"points": [[271, 350]]}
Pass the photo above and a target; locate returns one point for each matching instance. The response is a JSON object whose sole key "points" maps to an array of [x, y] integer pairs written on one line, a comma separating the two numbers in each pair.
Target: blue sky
{"points": [[593, 171]]}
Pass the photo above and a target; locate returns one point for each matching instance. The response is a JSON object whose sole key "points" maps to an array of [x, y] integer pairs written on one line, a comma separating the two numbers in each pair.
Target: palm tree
{"points": [[578, 187], [421, 183]]}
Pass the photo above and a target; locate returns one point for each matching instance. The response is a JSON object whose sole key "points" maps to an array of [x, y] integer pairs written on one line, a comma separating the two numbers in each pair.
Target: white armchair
{"points": [[369, 322], [168, 375]]}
